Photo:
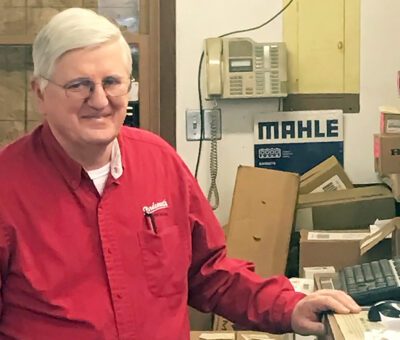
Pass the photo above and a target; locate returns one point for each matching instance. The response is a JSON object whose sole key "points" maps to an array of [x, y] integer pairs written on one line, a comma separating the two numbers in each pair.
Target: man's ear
{"points": [[38, 94]]}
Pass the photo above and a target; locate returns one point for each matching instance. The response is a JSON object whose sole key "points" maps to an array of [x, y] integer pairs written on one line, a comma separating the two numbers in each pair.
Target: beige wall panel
{"points": [[91, 3], [10, 131], [38, 17], [32, 124], [54, 3], [12, 3], [12, 21], [12, 58], [32, 112], [290, 27], [12, 95]]}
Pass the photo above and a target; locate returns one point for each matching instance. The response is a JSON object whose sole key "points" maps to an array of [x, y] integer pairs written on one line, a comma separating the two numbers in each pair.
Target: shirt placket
{"points": [[123, 310]]}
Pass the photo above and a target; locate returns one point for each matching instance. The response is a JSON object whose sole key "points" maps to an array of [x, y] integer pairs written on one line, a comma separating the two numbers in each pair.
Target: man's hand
{"points": [[306, 316]]}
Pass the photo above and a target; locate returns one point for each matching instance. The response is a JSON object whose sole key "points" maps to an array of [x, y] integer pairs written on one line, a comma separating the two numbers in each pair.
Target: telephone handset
{"points": [[214, 66], [242, 68]]}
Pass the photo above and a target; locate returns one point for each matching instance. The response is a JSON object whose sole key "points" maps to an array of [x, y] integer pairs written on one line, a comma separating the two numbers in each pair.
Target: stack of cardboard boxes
{"points": [[333, 218], [323, 205], [387, 149]]}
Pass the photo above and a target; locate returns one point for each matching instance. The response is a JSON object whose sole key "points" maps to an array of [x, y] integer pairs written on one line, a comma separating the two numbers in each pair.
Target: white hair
{"points": [[71, 29]]}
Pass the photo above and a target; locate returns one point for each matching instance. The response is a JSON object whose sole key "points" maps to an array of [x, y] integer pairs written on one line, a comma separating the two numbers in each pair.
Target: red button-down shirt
{"points": [[77, 265]]}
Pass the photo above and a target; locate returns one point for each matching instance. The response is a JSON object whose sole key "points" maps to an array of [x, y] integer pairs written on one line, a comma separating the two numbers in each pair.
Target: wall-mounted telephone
{"points": [[242, 68]]}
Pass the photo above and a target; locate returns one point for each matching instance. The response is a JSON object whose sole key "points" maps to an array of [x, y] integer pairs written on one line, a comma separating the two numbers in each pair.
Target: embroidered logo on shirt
{"points": [[155, 206]]}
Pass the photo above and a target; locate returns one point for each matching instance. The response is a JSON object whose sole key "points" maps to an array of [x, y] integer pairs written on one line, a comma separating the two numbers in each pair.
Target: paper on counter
{"points": [[302, 285], [256, 337], [217, 336], [358, 327], [379, 224], [326, 235]]}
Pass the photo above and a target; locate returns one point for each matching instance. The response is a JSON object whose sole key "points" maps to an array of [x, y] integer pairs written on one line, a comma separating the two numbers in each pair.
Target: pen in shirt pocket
{"points": [[151, 223]]}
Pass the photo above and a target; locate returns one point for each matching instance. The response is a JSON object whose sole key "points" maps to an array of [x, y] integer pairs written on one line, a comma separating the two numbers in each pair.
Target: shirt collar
{"points": [[116, 162], [68, 167]]}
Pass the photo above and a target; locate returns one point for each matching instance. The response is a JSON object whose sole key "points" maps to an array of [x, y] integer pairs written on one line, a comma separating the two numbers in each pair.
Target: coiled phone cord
{"points": [[213, 167]]}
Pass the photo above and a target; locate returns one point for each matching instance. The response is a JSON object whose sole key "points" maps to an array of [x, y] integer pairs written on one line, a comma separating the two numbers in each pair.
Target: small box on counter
{"points": [[390, 119], [387, 153]]}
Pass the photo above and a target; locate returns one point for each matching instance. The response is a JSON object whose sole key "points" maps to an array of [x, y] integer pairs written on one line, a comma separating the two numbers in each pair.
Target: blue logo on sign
{"points": [[266, 153], [298, 129]]}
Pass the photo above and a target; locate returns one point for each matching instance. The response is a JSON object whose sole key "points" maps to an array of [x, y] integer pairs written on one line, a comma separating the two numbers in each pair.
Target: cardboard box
{"points": [[396, 242], [309, 272], [387, 153], [261, 218], [328, 175], [346, 248], [393, 181], [390, 119], [222, 324], [355, 208]]}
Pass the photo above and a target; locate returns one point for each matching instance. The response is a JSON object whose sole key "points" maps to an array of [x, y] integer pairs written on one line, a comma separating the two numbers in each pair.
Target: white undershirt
{"points": [[99, 177]]}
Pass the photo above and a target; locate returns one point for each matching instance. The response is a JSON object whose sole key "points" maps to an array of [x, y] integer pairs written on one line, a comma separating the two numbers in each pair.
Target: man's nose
{"points": [[98, 98]]}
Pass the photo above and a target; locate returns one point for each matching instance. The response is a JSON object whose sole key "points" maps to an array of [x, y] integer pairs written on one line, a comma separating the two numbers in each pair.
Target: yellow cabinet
{"points": [[323, 42]]}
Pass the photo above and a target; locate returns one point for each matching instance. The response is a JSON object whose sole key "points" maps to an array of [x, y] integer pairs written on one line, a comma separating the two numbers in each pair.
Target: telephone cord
{"points": [[213, 190]]}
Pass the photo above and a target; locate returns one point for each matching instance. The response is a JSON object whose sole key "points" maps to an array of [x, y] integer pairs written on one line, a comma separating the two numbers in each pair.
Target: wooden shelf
{"points": [[135, 38]]}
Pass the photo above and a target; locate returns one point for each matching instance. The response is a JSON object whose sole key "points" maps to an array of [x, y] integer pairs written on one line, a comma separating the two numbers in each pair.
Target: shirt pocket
{"points": [[164, 261]]}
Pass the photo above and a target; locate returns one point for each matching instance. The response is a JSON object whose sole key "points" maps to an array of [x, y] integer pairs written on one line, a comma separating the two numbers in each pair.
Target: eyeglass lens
{"points": [[112, 86]]}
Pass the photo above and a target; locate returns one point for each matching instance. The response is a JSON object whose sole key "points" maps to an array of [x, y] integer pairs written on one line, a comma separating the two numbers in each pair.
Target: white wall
{"points": [[380, 61]]}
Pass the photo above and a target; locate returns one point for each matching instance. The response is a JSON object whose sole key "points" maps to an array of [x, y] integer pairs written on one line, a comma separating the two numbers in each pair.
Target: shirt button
{"points": [[109, 251], [119, 296]]}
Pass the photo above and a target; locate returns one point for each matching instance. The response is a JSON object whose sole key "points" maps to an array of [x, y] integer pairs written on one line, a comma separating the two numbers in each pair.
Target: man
{"points": [[104, 233]]}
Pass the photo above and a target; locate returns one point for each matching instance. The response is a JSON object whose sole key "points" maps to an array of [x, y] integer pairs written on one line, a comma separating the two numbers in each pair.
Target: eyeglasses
{"points": [[83, 88]]}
